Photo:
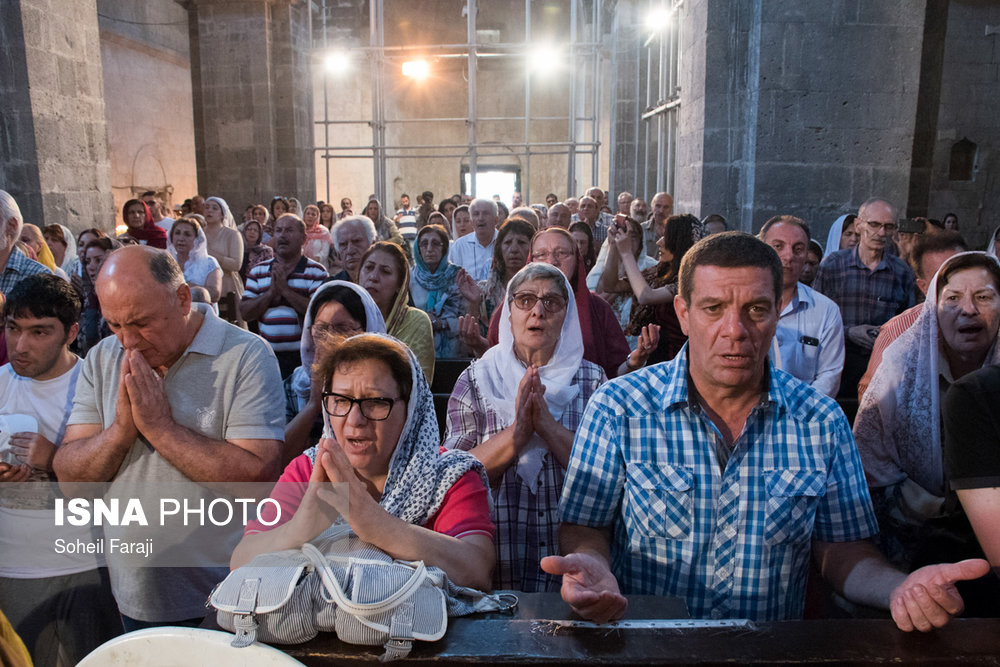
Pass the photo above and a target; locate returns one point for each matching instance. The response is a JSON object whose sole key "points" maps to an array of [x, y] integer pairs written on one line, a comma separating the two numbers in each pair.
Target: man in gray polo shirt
{"points": [[177, 394]]}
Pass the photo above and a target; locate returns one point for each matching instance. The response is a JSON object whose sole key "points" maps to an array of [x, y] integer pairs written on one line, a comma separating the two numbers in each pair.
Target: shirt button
{"points": [[541, 544], [541, 514]]}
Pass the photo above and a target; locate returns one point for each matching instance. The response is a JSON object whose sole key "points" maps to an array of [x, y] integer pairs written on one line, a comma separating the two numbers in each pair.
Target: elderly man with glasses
{"points": [[869, 285]]}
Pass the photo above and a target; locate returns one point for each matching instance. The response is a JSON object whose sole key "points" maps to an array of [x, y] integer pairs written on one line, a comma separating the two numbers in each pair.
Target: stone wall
{"points": [[148, 104], [53, 134], [252, 99], [970, 92], [808, 108]]}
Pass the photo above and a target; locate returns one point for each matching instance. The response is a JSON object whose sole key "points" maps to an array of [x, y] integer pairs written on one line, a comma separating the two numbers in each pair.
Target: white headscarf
{"points": [[990, 248], [833, 238], [499, 372], [419, 477], [199, 252], [70, 260], [898, 426], [302, 376], [227, 216], [295, 206]]}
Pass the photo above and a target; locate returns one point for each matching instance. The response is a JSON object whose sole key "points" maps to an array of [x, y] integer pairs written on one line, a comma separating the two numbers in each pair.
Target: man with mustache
{"points": [[714, 476], [278, 291]]}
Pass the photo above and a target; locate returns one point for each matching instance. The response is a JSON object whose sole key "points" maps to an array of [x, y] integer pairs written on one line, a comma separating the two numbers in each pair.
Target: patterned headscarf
{"points": [[419, 477], [438, 282], [898, 426]]}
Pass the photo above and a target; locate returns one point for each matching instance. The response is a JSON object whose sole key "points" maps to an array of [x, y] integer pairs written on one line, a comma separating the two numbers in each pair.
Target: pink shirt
{"points": [[465, 511]]}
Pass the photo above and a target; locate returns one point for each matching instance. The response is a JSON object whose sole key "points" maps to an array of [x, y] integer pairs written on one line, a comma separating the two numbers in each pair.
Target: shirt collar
{"points": [[211, 334], [856, 257], [676, 392]]}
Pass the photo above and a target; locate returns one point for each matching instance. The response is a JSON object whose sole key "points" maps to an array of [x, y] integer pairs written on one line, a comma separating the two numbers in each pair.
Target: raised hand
{"points": [[468, 333], [468, 287], [928, 599], [588, 586]]}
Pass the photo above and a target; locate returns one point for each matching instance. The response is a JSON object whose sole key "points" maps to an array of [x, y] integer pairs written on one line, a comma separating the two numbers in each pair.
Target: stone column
{"points": [[793, 107], [252, 90], [53, 133]]}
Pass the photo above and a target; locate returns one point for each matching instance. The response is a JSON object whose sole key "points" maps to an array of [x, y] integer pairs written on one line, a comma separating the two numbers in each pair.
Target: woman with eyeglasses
{"points": [[381, 442], [510, 253], [516, 410], [434, 288], [603, 340], [337, 310]]}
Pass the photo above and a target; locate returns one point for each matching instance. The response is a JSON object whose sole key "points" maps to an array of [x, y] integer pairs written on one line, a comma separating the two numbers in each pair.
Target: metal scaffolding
{"points": [[582, 106]]}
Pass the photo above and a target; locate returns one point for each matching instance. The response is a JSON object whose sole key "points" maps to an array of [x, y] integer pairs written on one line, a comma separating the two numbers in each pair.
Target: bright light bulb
{"points": [[658, 18], [337, 62], [543, 57], [416, 69]]}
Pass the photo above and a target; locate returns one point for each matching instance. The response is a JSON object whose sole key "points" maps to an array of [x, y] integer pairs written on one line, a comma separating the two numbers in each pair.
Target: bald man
{"points": [[177, 395], [652, 229], [869, 285]]}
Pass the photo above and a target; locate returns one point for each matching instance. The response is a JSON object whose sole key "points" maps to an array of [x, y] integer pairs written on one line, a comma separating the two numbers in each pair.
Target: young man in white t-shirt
{"points": [[61, 606]]}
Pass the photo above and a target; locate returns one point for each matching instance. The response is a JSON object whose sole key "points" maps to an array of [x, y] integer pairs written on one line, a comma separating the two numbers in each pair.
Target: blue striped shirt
{"points": [[734, 542]]}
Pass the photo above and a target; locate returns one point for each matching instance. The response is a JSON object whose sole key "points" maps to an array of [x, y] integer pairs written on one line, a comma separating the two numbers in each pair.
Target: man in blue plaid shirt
{"points": [[714, 476]]}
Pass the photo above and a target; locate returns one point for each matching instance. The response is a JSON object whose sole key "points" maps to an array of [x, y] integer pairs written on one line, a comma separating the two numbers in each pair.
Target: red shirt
{"points": [[465, 511]]}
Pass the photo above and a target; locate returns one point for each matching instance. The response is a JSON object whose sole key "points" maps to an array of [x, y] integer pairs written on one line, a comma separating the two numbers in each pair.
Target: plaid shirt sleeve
{"points": [[596, 472], [845, 512], [462, 427]]}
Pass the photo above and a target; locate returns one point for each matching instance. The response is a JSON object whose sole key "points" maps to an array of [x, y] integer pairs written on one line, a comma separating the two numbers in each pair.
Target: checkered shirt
{"points": [[865, 296], [527, 524], [735, 543], [19, 266]]}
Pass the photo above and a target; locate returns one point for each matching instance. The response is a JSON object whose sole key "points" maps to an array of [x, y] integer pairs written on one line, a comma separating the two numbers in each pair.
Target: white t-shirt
{"points": [[49, 402], [166, 224]]}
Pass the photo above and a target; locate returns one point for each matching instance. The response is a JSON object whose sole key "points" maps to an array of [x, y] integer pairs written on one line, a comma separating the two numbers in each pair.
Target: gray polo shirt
{"points": [[225, 386]]}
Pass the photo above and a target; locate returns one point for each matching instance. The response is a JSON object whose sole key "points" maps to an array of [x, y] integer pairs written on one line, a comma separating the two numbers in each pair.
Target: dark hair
{"points": [[462, 207], [729, 250], [815, 248], [502, 211], [444, 203], [787, 220], [426, 194], [275, 200], [437, 229], [946, 239], [370, 347], [56, 232], [715, 217], [509, 226], [90, 230], [346, 297], [553, 195], [678, 238], [165, 269], [44, 295], [104, 243], [971, 260], [402, 266], [590, 257]]}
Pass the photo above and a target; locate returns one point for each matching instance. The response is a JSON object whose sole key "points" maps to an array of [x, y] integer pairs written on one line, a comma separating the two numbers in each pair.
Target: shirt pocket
{"points": [[792, 496], [660, 499]]}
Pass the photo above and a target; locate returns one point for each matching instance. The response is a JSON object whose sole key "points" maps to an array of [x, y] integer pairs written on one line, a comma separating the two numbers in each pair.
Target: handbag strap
{"points": [[335, 590]]}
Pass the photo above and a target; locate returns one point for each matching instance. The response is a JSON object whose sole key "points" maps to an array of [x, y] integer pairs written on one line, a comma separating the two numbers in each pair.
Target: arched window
{"points": [[963, 160]]}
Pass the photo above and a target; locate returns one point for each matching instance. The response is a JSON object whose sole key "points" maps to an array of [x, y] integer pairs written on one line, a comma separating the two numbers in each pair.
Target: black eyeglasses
{"points": [[527, 301], [889, 227], [375, 409]]}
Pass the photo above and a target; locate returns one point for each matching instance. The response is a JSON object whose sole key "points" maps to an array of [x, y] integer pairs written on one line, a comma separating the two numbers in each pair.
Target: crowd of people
{"points": [[650, 404]]}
